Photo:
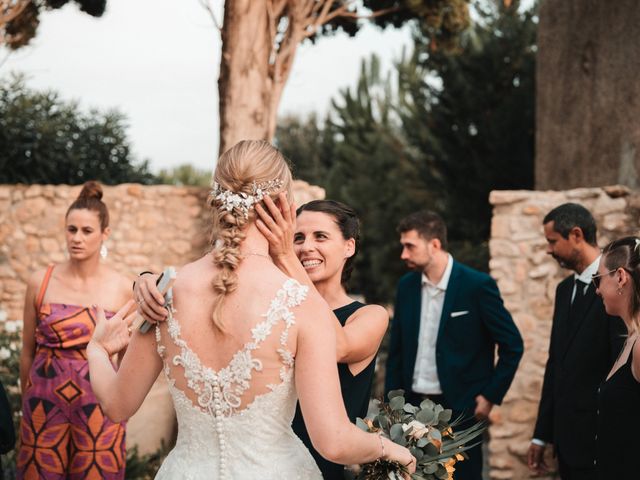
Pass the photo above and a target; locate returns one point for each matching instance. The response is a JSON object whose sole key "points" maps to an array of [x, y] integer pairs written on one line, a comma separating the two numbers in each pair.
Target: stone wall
{"points": [[152, 227], [527, 278]]}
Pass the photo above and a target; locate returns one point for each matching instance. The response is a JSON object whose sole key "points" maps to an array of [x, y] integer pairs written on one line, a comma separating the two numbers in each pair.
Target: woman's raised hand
{"points": [[149, 299], [278, 224], [113, 334]]}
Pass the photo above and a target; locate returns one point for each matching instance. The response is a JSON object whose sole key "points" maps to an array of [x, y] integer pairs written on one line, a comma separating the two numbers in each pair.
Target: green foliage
{"points": [[21, 28], [308, 146], [373, 172], [474, 125], [44, 139], [427, 431], [442, 21], [360, 156], [144, 467], [185, 174], [439, 134]]}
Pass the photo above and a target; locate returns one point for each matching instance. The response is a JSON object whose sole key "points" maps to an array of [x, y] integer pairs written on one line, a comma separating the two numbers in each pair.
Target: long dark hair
{"points": [[625, 253], [348, 223]]}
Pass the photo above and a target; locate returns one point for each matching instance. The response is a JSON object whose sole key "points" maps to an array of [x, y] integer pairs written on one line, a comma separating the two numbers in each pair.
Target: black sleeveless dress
{"points": [[618, 426], [356, 391]]}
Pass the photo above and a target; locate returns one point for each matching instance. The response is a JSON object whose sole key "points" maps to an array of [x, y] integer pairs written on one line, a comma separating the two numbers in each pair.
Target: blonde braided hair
{"points": [[239, 169]]}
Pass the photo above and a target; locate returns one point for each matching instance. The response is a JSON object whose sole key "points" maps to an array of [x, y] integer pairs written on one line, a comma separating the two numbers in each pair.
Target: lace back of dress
{"points": [[262, 365]]}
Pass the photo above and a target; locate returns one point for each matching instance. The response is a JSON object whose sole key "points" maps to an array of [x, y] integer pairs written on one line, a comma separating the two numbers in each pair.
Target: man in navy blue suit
{"points": [[448, 320]]}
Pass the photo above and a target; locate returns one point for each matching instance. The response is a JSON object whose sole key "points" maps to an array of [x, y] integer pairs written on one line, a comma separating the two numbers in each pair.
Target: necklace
{"points": [[247, 254]]}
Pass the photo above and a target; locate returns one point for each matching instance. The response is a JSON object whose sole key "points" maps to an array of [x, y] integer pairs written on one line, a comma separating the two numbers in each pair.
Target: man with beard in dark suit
{"points": [[584, 343], [449, 322]]}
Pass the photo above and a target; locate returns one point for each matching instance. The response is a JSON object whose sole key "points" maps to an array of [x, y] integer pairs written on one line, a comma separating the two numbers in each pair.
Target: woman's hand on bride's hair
{"points": [[112, 335], [149, 299], [277, 223]]}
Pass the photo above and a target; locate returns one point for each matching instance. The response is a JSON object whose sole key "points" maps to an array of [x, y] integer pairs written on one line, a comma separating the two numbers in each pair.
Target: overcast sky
{"points": [[158, 64]]}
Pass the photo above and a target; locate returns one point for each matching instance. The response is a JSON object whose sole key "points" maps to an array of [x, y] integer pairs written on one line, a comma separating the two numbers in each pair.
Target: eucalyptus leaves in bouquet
{"points": [[427, 431]]}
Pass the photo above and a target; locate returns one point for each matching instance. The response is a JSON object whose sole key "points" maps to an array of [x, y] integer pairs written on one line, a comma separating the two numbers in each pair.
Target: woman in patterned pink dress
{"points": [[64, 433]]}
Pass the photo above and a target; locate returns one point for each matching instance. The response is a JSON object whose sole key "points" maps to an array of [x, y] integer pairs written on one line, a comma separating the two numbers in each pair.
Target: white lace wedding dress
{"points": [[235, 423]]}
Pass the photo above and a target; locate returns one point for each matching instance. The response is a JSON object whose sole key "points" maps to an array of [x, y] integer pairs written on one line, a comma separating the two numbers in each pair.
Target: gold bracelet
{"points": [[382, 447]]}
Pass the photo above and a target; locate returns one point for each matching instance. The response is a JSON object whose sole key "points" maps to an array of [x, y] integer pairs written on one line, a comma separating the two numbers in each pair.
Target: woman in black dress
{"points": [[318, 248], [618, 283]]}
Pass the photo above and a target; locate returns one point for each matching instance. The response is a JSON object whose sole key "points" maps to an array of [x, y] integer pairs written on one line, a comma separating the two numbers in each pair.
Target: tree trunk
{"points": [[259, 43], [244, 85], [588, 95], [257, 56]]}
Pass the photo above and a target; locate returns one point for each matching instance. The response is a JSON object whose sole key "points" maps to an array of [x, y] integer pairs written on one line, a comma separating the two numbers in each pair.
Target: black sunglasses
{"points": [[596, 277]]}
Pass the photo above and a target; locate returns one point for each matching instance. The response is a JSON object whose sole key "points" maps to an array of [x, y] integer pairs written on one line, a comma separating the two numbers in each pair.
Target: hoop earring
{"points": [[104, 252]]}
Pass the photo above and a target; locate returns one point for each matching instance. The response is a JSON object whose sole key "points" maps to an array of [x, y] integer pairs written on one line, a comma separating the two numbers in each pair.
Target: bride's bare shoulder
{"points": [[191, 275], [313, 310]]}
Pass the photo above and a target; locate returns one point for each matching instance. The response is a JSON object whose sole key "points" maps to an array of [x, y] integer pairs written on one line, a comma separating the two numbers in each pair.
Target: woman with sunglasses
{"points": [[618, 283]]}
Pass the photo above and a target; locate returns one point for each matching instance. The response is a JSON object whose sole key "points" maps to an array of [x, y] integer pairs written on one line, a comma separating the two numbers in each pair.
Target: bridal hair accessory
{"points": [[244, 201]]}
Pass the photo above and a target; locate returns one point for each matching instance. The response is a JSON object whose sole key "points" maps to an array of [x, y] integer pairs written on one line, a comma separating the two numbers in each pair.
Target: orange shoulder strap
{"points": [[43, 287]]}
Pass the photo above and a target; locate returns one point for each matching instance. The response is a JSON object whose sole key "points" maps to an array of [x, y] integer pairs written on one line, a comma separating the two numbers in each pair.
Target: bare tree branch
{"points": [[209, 9], [10, 9], [283, 25], [9, 5], [272, 19], [377, 13], [322, 16]]}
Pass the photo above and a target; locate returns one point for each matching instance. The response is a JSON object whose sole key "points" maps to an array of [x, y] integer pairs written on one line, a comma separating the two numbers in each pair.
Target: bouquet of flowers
{"points": [[427, 431]]}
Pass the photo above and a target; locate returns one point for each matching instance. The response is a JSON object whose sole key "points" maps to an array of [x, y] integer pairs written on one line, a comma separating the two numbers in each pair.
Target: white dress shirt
{"points": [[425, 373], [584, 277]]}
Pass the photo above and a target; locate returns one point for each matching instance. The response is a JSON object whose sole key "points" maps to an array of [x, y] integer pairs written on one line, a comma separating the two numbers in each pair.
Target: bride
{"points": [[243, 341]]}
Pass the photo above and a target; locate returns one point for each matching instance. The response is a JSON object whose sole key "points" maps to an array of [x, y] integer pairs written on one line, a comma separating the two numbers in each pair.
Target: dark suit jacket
{"points": [[465, 347], [579, 360]]}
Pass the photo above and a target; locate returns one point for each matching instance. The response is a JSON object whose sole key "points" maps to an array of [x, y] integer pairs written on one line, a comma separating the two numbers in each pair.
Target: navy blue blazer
{"points": [[465, 347]]}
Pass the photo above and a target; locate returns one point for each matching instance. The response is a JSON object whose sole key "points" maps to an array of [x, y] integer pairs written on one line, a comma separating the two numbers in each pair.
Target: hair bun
{"points": [[91, 189]]}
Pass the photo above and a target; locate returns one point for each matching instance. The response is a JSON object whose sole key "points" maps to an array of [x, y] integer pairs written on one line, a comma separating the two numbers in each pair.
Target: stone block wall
{"points": [[527, 278], [151, 227], [155, 226]]}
